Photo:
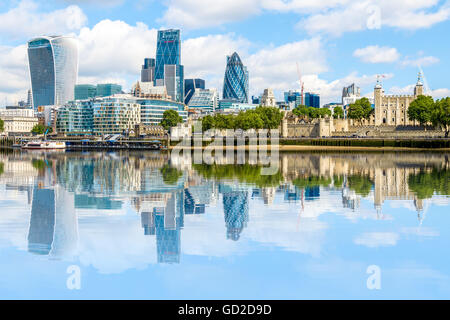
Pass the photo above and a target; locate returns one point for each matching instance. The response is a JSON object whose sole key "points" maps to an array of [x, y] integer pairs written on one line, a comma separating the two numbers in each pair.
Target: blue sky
{"points": [[335, 42]]}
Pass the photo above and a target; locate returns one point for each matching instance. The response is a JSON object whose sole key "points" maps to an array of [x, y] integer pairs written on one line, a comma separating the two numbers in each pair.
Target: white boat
{"points": [[45, 145]]}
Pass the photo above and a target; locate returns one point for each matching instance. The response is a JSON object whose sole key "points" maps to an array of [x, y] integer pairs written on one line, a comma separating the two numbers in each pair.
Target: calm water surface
{"points": [[148, 226]]}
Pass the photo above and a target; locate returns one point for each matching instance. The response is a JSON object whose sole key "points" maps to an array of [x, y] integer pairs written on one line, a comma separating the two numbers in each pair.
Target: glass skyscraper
{"points": [[189, 88], [235, 83], [148, 70], [168, 50], [174, 81], [53, 63]]}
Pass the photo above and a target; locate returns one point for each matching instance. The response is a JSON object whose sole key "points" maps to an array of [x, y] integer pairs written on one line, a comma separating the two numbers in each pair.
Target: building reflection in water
{"points": [[58, 185], [235, 210]]}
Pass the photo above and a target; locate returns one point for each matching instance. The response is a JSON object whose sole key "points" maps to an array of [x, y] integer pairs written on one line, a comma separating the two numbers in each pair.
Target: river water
{"points": [[147, 225]]}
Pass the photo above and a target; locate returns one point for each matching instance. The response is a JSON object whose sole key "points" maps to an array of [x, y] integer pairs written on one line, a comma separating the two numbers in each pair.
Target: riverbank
{"points": [[284, 148]]}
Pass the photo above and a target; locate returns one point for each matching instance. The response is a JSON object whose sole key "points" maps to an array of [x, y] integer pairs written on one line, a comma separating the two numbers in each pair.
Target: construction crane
{"points": [[301, 83]]}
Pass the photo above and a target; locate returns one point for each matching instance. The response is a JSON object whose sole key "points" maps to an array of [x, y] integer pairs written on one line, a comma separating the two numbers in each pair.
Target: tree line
{"points": [[425, 110]]}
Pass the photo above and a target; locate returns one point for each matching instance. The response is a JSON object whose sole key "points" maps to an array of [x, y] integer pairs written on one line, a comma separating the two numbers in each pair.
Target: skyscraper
{"points": [[189, 88], [148, 70], [168, 51], [235, 83], [53, 63], [174, 81], [312, 100]]}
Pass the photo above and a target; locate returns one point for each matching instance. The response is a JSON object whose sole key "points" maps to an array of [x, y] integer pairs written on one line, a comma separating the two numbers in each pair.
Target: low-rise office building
{"points": [[205, 100], [16, 125], [115, 114], [111, 115]]}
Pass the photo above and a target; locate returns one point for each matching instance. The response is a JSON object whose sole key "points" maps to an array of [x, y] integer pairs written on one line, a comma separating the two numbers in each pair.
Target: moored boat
{"points": [[45, 145]]}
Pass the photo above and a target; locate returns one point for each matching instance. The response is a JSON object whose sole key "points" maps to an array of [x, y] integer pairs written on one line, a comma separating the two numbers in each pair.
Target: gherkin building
{"points": [[235, 83]]}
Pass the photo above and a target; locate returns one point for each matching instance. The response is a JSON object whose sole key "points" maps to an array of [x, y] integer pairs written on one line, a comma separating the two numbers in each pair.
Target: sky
{"points": [[334, 42]]}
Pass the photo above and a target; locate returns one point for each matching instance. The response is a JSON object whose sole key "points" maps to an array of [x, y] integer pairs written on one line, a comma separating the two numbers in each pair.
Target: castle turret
{"points": [[418, 89], [377, 93]]}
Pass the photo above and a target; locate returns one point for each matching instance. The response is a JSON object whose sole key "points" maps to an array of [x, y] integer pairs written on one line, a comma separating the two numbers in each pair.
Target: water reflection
{"points": [[63, 189]]}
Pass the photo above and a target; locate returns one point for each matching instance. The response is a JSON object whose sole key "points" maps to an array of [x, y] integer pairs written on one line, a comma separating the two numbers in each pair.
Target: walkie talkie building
{"points": [[235, 83], [53, 63]]}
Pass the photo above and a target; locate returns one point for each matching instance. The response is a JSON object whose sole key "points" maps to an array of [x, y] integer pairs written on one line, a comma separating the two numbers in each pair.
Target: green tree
{"points": [[41, 129], [271, 116], [440, 117], [355, 111], [249, 119], [361, 109], [207, 122], [170, 119], [2, 125], [301, 111], [421, 109], [338, 112], [324, 112]]}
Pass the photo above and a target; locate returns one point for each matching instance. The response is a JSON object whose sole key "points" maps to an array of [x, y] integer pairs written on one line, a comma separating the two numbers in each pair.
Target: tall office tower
{"points": [[312, 100], [235, 83], [148, 70], [168, 51], [350, 94], [174, 81], [53, 63], [189, 88], [29, 99]]}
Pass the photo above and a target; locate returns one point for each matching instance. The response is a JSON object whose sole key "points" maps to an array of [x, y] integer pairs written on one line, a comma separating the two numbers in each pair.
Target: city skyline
{"points": [[329, 59]]}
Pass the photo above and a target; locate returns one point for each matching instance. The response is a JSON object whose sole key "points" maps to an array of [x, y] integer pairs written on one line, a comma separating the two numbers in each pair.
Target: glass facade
{"points": [[85, 91], [235, 83], [152, 110], [312, 100], [204, 99], [148, 70], [53, 63], [230, 104], [108, 89], [168, 50], [115, 115], [189, 88], [174, 81], [75, 118]]}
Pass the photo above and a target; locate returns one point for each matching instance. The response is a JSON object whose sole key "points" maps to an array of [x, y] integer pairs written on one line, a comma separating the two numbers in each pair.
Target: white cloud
{"points": [[377, 54], [420, 62], [377, 239], [202, 13], [115, 48], [371, 14], [409, 89], [205, 57], [440, 93], [25, 21], [328, 16]]}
